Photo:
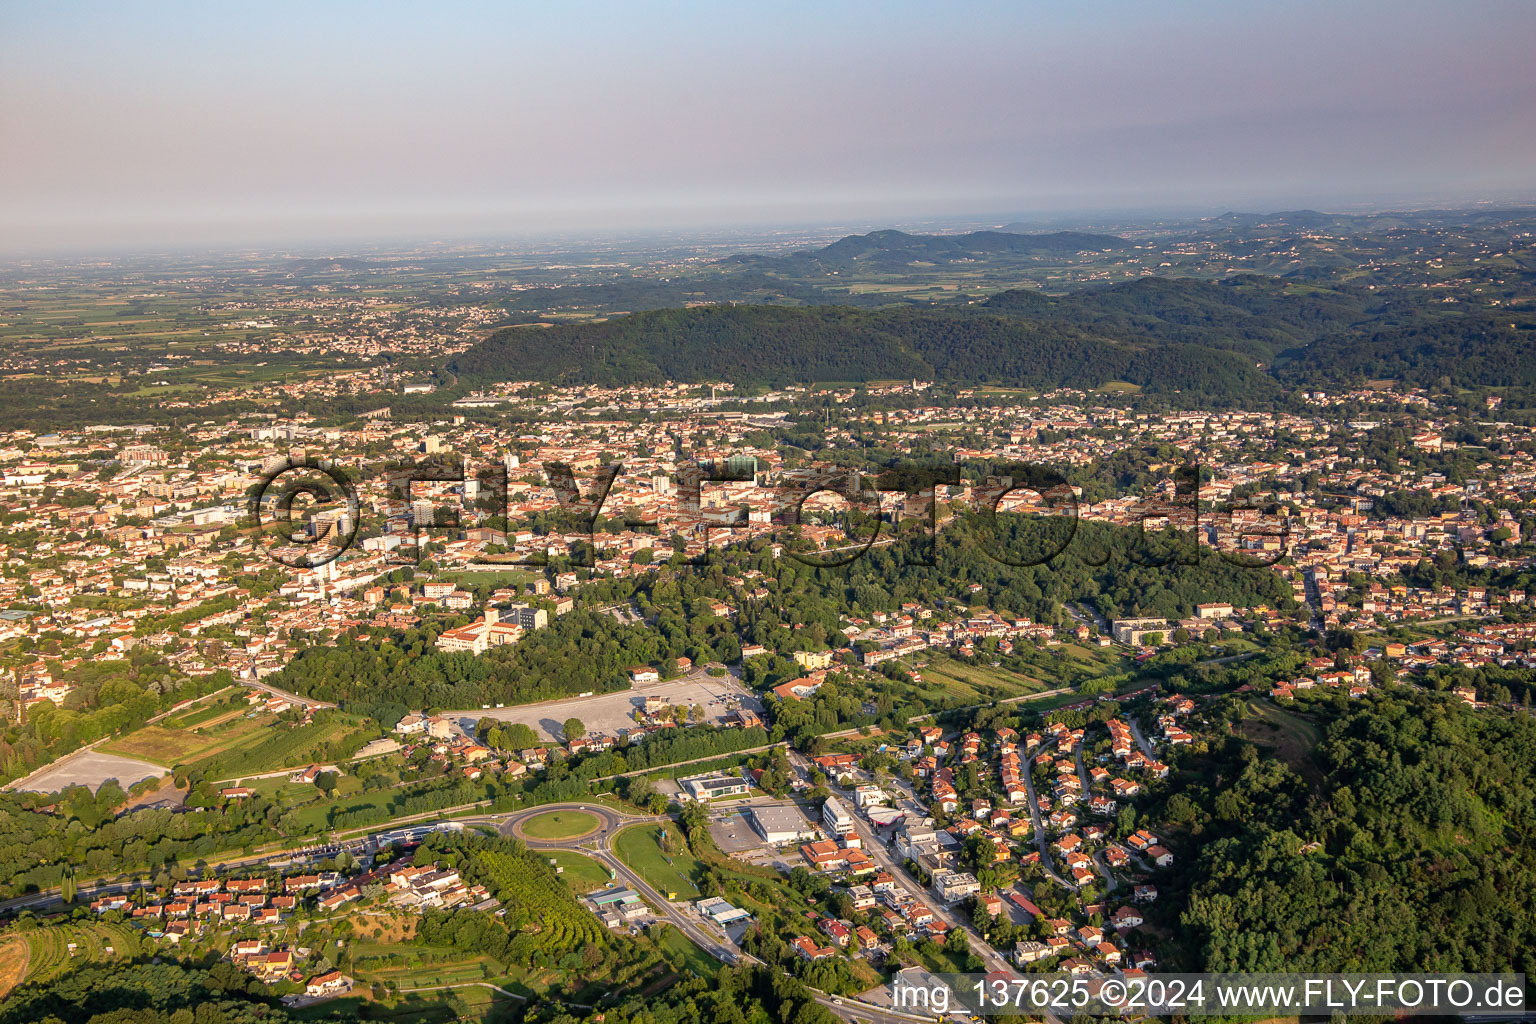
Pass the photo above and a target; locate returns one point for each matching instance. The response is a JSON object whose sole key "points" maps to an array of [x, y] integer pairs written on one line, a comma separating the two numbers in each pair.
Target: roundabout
{"points": [[550, 826]]}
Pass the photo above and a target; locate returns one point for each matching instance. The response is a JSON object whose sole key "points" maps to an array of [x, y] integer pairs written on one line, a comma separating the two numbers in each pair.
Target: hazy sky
{"points": [[142, 123]]}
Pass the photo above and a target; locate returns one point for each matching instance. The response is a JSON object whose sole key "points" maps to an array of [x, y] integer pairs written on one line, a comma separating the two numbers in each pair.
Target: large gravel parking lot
{"points": [[91, 769], [610, 712]]}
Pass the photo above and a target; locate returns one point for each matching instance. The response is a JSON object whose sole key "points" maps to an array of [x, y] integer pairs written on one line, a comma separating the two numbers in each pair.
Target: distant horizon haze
{"points": [[191, 125]]}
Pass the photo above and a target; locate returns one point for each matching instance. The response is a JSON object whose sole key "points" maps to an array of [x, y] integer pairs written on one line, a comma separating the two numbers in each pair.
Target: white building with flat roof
{"points": [[720, 911], [778, 824], [835, 816], [954, 885]]}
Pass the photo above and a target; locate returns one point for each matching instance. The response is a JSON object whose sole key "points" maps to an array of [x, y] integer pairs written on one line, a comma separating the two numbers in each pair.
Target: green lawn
{"points": [[640, 848], [559, 825], [581, 873]]}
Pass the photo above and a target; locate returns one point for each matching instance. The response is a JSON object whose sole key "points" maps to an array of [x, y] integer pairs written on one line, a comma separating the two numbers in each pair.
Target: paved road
{"points": [[274, 691], [610, 821], [853, 1010], [597, 844], [1042, 839], [994, 961], [1141, 741], [1082, 770], [1082, 776]]}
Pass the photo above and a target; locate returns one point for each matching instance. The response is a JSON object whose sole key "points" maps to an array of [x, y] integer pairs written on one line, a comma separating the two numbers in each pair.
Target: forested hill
{"points": [[776, 345], [1306, 335], [1262, 316], [894, 250], [1237, 341]]}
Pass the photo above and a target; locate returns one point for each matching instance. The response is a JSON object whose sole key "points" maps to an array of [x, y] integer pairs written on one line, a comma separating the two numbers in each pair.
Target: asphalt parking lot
{"points": [[735, 835]]}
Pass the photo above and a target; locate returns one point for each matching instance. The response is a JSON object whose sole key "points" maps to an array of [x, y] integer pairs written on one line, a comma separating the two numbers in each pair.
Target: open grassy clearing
{"points": [[1291, 737], [14, 956], [169, 744], [640, 848], [693, 958], [580, 872], [238, 741], [977, 681]]}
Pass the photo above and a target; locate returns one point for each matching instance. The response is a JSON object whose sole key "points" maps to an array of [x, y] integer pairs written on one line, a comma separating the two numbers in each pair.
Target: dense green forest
{"points": [[181, 993], [1259, 316], [1232, 342], [775, 345], [1425, 813], [1467, 349], [384, 679]]}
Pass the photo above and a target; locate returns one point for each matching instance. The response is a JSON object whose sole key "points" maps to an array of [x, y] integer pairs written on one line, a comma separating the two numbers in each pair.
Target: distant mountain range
{"points": [[320, 265], [896, 249]]}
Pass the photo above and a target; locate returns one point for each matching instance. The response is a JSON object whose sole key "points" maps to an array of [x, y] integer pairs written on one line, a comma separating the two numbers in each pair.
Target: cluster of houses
{"points": [[158, 538], [1379, 603], [1320, 672], [430, 887], [1084, 949], [1508, 644], [901, 636], [195, 905], [274, 965]]}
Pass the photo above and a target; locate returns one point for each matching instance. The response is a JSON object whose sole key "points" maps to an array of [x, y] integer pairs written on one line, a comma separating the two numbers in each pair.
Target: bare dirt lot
{"points": [[610, 712], [91, 768]]}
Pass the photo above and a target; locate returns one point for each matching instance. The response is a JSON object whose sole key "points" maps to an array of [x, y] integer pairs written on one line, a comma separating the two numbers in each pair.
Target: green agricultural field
{"points": [[560, 825], [640, 848], [231, 740], [168, 745], [416, 966], [979, 681], [42, 954]]}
